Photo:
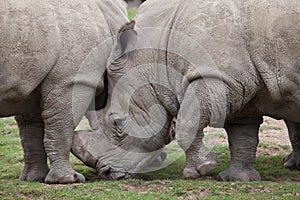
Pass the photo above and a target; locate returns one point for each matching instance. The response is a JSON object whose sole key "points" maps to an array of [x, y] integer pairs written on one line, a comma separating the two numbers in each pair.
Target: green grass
{"points": [[131, 13], [167, 183]]}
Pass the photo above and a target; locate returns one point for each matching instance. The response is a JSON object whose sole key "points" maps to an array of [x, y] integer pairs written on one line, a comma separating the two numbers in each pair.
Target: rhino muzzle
{"points": [[106, 172]]}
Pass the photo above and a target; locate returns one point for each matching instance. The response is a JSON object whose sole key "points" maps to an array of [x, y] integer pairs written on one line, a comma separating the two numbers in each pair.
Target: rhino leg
{"points": [[192, 118], [61, 113], [58, 145], [32, 135], [292, 161], [243, 141], [199, 159]]}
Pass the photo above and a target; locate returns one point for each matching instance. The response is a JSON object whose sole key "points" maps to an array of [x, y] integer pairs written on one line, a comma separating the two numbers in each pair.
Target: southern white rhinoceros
{"points": [[224, 63], [47, 63]]}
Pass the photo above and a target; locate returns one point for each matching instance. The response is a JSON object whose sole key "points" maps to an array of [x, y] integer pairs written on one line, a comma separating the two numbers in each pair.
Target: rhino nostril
{"points": [[107, 173]]}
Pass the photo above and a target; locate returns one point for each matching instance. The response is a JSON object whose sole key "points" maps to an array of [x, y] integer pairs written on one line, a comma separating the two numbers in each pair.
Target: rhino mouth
{"points": [[106, 172]]}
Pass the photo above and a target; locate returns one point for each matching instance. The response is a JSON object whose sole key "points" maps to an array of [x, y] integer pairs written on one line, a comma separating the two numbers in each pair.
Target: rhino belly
{"points": [[288, 108], [29, 105]]}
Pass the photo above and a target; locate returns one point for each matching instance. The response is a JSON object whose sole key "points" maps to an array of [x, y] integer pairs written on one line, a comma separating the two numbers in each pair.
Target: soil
{"points": [[146, 188], [273, 137], [275, 133]]}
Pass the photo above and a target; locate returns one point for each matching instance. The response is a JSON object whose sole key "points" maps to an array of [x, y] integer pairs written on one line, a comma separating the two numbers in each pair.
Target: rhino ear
{"points": [[126, 40]]}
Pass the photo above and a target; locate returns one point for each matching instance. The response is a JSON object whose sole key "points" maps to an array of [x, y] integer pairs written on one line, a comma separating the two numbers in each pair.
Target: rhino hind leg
{"points": [[243, 141], [32, 135], [292, 161]]}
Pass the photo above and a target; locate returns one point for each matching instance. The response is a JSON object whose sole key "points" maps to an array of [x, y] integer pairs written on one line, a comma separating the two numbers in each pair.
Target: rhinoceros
{"points": [[213, 63], [47, 74]]}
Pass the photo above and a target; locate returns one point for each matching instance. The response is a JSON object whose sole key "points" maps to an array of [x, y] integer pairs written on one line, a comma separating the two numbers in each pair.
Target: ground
{"points": [[166, 183]]}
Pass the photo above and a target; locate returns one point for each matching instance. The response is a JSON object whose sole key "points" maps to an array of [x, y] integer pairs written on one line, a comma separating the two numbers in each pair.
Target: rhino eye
{"points": [[119, 127]]}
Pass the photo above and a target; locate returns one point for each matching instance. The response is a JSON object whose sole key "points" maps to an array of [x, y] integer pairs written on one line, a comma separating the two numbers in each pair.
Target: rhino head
{"points": [[133, 127], [117, 155]]}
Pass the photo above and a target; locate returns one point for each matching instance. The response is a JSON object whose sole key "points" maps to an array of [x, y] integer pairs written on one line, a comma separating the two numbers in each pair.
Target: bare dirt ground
{"points": [[273, 137], [275, 133]]}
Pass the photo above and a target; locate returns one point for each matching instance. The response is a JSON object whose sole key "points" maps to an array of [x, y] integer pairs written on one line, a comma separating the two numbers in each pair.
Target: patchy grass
{"points": [[273, 146], [167, 183], [269, 127]]}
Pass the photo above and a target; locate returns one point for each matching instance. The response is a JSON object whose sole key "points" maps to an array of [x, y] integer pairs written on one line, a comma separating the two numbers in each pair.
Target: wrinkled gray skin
{"points": [[47, 63], [218, 63]]}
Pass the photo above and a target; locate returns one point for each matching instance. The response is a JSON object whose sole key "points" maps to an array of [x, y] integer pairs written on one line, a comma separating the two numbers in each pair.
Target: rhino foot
{"points": [[292, 161], [36, 174], [204, 168], [64, 175], [199, 166], [239, 174]]}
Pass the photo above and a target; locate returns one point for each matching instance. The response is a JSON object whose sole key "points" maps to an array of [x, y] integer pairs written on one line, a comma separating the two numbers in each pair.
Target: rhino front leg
{"points": [[292, 161], [60, 121], [32, 134], [243, 141], [199, 159], [192, 118], [58, 145]]}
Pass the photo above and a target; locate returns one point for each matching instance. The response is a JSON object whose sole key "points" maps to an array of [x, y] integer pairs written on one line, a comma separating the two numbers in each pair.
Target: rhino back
{"points": [[213, 25], [45, 41], [208, 36]]}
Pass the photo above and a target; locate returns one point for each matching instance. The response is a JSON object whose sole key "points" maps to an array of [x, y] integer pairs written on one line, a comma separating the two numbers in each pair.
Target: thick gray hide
{"points": [[53, 55], [216, 62]]}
